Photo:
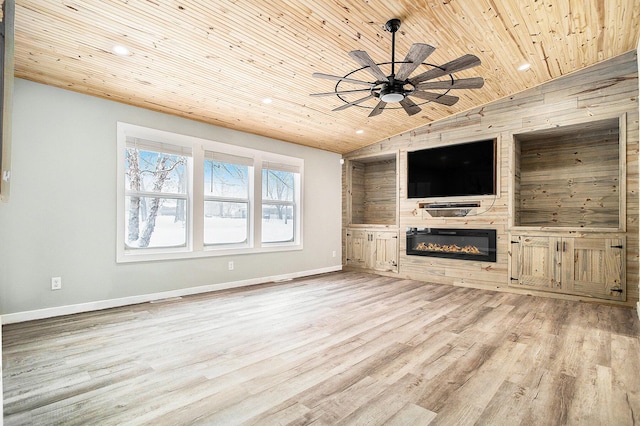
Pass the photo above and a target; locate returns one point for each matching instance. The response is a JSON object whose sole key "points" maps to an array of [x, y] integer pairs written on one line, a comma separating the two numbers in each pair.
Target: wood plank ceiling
{"points": [[215, 61]]}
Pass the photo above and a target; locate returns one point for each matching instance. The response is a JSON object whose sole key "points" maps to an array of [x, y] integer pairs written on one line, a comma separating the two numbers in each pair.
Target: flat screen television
{"points": [[466, 169]]}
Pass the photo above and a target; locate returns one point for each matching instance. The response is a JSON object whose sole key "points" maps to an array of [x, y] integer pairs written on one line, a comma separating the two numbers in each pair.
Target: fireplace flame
{"points": [[448, 248]]}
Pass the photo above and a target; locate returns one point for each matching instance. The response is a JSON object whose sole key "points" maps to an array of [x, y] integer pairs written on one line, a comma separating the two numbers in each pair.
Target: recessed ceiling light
{"points": [[120, 50], [267, 101], [359, 132], [524, 67]]}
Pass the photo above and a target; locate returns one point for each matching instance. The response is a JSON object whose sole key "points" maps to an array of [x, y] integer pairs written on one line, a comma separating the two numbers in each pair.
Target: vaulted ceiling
{"points": [[215, 61]]}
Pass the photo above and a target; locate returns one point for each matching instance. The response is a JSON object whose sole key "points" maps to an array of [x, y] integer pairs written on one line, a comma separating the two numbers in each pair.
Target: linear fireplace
{"points": [[464, 244]]}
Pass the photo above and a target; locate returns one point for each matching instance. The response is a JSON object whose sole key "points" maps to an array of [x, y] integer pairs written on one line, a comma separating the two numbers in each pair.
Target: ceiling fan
{"points": [[398, 87]]}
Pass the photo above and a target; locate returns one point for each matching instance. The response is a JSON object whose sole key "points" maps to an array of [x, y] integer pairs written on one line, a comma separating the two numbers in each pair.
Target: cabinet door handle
{"points": [[564, 246], [557, 245], [620, 246]]}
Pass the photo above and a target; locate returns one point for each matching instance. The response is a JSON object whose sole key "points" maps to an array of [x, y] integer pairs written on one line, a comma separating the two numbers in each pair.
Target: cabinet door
{"points": [[386, 251], [594, 267], [538, 263], [357, 248]]}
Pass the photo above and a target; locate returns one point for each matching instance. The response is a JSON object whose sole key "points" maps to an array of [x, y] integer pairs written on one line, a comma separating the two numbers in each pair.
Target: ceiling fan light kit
{"points": [[399, 87], [390, 94]]}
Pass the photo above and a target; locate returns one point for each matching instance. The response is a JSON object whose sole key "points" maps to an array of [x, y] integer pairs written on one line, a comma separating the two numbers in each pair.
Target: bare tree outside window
{"points": [[149, 173]]}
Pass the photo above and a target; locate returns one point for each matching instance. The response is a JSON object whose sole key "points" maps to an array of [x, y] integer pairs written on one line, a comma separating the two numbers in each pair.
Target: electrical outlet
{"points": [[56, 283], [231, 265], [333, 253]]}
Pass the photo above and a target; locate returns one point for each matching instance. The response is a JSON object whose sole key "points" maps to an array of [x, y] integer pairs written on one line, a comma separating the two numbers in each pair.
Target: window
{"points": [[227, 184], [180, 197], [156, 196], [278, 202]]}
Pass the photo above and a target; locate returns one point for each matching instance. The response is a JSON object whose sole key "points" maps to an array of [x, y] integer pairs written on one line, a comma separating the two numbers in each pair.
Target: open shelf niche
{"points": [[372, 186], [571, 176]]}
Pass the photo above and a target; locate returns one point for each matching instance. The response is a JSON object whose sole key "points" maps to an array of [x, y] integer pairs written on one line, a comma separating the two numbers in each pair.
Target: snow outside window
{"points": [[156, 196]]}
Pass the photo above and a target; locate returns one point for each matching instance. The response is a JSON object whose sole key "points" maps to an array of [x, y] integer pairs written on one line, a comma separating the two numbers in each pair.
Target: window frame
{"points": [[195, 246]]}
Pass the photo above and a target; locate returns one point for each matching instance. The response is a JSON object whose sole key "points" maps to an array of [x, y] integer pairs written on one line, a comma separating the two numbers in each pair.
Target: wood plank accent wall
{"points": [[514, 171], [606, 91], [357, 192], [380, 192]]}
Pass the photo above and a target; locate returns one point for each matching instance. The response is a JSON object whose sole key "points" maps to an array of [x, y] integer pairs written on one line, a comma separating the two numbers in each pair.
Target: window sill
{"points": [[131, 257]]}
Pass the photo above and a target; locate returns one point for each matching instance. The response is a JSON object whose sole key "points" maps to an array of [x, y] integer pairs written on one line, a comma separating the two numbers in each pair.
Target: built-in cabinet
{"points": [[372, 249], [569, 214], [567, 178], [592, 266]]}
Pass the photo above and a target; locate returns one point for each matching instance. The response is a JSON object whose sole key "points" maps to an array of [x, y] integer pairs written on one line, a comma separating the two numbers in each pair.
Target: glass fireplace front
{"points": [[464, 244]]}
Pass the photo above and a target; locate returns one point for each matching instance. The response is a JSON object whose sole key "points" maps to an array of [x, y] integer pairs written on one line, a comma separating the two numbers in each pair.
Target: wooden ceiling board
{"points": [[214, 61]]}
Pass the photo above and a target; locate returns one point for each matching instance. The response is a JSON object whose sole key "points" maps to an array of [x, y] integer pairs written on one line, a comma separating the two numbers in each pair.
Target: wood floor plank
{"points": [[337, 348], [625, 378], [386, 404], [474, 396], [411, 414]]}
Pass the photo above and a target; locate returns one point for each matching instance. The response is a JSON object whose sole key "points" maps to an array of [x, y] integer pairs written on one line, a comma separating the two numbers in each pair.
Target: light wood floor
{"points": [[341, 348]]}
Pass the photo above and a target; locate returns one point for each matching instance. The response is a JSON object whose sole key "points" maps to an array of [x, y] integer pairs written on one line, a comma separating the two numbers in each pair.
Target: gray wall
{"points": [[61, 218]]}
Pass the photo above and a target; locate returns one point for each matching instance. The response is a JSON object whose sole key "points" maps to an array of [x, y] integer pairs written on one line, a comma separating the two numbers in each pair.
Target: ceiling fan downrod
{"points": [[393, 91], [393, 25]]}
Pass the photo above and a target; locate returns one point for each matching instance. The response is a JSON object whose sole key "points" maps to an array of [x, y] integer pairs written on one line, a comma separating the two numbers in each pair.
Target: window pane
{"points": [[277, 223], [277, 185], [155, 172], [155, 222], [225, 223], [226, 179]]}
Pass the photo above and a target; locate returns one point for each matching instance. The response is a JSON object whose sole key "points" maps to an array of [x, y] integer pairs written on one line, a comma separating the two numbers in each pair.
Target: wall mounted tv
{"points": [[466, 169]]}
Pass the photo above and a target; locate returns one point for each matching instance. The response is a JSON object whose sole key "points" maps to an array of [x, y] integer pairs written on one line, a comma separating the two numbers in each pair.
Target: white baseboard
{"points": [[143, 298], [638, 308]]}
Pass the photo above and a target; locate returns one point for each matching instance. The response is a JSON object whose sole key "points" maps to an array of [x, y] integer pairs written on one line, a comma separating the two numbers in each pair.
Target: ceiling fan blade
{"points": [[341, 107], [463, 83], [363, 58], [436, 97], [416, 55], [378, 109], [410, 107], [335, 77], [462, 63], [344, 92]]}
